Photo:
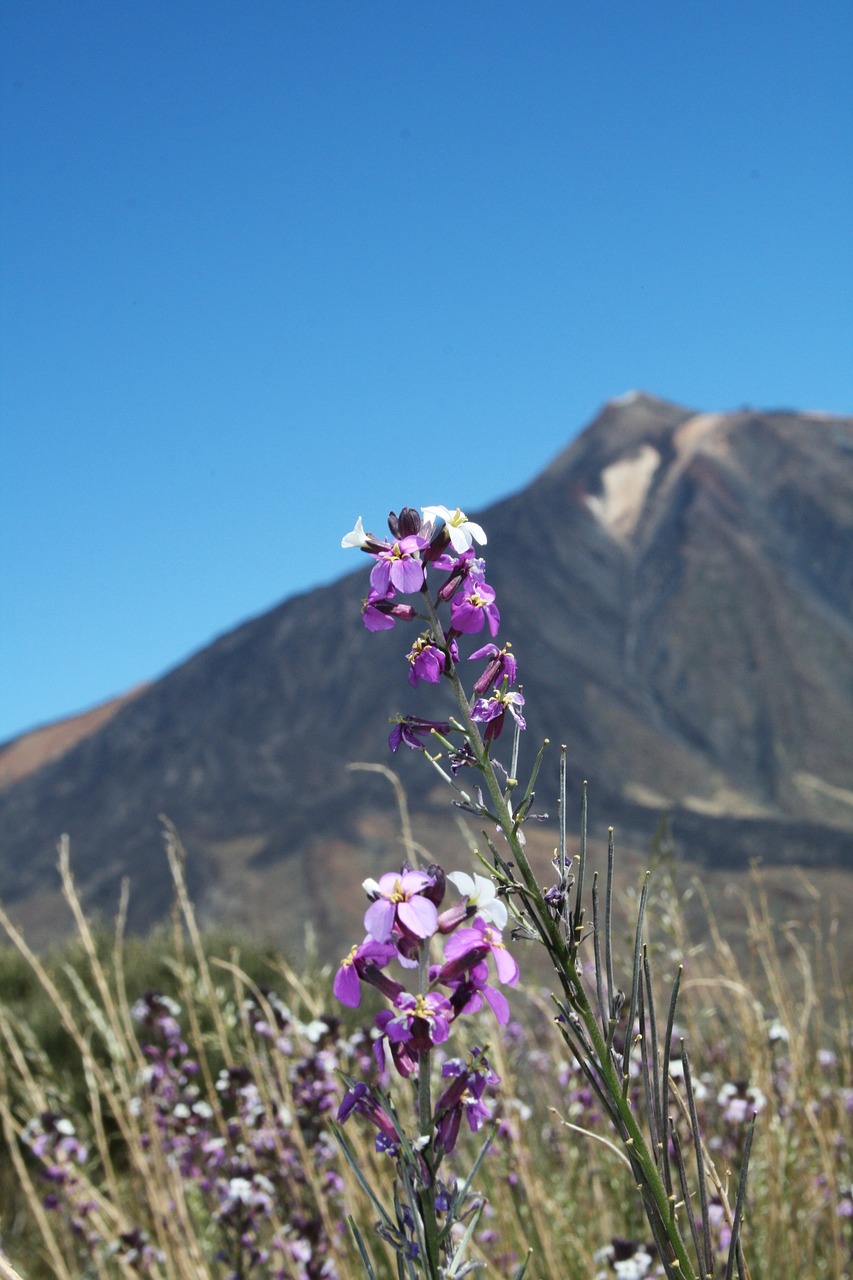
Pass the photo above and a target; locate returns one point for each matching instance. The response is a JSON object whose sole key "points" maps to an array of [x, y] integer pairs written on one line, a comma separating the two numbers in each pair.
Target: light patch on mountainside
{"points": [[808, 782], [645, 796], [728, 802], [725, 802], [624, 487], [703, 431]]}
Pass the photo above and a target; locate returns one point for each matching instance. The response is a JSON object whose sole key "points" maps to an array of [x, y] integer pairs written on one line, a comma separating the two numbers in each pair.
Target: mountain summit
{"points": [[678, 589]]}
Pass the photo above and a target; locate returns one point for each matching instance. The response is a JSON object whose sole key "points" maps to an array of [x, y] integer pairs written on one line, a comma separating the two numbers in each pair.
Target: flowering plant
{"points": [[432, 557], [401, 922]]}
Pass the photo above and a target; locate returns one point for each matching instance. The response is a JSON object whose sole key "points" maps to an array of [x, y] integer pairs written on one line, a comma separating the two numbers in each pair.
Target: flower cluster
{"points": [[52, 1137], [239, 1150], [406, 911], [240, 1147], [432, 558], [440, 542]]}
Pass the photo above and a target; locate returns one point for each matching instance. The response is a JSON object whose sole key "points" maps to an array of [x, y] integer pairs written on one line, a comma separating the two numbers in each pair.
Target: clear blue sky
{"points": [[267, 266]]}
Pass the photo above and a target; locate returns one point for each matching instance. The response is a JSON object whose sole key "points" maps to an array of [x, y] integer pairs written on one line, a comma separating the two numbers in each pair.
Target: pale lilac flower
{"points": [[399, 899], [739, 1102]]}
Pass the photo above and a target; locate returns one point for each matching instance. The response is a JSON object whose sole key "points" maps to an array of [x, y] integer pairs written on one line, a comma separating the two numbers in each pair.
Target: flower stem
{"points": [[426, 1187], [562, 954]]}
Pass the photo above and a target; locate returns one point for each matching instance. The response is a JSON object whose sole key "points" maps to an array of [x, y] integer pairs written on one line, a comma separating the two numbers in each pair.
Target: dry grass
{"points": [[552, 1183]]}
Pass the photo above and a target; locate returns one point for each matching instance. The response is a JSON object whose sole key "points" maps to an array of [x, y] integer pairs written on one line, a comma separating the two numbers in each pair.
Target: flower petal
{"points": [[379, 919], [498, 1004], [462, 882], [356, 537], [419, 916], [347, 987]]}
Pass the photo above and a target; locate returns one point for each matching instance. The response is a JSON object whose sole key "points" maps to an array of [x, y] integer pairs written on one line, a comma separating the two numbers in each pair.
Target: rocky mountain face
{"points": [[678, 589]]}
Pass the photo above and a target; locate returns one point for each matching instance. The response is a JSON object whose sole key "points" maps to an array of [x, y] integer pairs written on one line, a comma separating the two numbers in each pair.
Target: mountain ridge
{"points": [[677, 586]]}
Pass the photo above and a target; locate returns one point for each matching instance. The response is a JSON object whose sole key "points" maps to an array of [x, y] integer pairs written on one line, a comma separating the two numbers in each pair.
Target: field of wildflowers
{"points": [[511, 1071]]}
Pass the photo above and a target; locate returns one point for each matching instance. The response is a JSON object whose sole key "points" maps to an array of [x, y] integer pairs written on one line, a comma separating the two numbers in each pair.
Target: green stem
{"points": [[549, 932], [426, 1190]]}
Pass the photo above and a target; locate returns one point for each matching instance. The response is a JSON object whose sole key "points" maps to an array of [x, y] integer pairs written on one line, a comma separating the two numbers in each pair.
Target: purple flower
{"points": [[739, 1101], [501, 666], [420, 1022], [399, 899], [380, 612], [470, 988], [463, 1096], [408, 728], [468, 946], [360, 1099], [347, 984], [472, 607], [426, 661], [492, 711], [402, 1058], [459, 568], [52, 1136], [462, 758], [400, 567]]}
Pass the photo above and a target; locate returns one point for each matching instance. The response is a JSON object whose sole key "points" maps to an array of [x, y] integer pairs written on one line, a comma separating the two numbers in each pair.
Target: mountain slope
{"points": [[678, 588]]}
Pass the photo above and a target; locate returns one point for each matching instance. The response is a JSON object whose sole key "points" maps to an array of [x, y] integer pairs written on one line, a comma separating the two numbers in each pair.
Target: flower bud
{"points": [[404, 524]]}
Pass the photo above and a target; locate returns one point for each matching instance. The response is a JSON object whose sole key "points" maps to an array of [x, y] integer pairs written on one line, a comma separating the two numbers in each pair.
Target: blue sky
{"points": [[269, 266]]}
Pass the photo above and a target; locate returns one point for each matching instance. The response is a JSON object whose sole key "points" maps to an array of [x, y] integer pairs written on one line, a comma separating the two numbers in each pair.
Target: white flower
{"points": [[463, 532], [481, 893], [240, 1190], [635, 1268], [356, 537]]}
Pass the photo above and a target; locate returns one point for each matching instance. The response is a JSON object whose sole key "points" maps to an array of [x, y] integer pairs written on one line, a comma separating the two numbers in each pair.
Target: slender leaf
{"points": [[740, 1204], [635, 980], [362, 1249], [700, 1164]]}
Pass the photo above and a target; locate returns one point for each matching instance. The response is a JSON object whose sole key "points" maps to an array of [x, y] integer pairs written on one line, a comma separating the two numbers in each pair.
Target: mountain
{"points": [[678, 589]]}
